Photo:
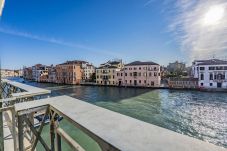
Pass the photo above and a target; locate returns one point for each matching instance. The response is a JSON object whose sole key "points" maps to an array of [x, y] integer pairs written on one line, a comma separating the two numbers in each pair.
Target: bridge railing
{"points": [[12, 93]]}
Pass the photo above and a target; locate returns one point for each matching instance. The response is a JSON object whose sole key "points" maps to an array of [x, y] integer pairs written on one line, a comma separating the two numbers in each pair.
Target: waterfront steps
{"points": [[120, 131]]}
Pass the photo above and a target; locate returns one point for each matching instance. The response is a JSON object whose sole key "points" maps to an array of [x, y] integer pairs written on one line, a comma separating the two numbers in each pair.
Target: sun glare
{"points": [[214, 15]]}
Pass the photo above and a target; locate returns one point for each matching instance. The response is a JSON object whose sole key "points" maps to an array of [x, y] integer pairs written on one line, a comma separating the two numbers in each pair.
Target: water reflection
{"points": [[198, 114]]}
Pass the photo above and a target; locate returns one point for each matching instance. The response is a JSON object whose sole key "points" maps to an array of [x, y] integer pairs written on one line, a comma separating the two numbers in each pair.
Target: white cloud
{"points": [[196, 38], [2, 2], [58, 42]]}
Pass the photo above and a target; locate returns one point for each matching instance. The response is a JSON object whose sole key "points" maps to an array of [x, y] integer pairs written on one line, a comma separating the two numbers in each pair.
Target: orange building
{"points": [[70, 72]]}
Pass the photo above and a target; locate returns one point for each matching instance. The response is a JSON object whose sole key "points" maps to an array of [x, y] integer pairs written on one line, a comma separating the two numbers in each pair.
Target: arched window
{"points": [[202, 76], [211, 76]]}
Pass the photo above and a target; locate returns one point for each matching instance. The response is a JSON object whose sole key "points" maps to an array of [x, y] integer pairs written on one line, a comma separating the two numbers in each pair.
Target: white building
{"points": [[38, 71], [88, 71], [211, 73]]}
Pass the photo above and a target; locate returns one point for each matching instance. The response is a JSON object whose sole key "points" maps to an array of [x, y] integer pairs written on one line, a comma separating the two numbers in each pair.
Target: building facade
{"points": [[106, 73], [185, 82], [27, 73], [70, 72], [211, 73], [88, 71], [9, 73], [176, 66], [146, 74], [52, 74], [40, 73]]}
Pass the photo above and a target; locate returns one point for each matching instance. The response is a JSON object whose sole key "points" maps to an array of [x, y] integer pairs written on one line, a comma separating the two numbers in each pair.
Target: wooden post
{"points": [[14, 129], [58, 142], [20, 132], [52, 131]]}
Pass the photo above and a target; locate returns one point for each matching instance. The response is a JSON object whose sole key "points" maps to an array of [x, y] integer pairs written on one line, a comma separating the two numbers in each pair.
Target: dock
{"points": [[111, 130]]}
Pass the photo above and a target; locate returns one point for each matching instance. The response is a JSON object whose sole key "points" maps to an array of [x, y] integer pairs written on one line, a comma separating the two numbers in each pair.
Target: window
{"points": [[155, 74], [202, 76], [211, 84], [211, 68], [126, 81], [225, 67], [130, 81], [145, 81], [201, 68], [126, 74], [139, 68], [113, 82], [219, 68], [211, 76], [201, 84], [130, 74], [155, 68], [117, 74], [139, 74], [135, 68], [150, 74], [113, 76], [121, 74], [139, 81]]}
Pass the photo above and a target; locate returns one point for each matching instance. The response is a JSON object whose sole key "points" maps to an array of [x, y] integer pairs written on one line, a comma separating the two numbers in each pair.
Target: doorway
{"points": [[219, 84]]}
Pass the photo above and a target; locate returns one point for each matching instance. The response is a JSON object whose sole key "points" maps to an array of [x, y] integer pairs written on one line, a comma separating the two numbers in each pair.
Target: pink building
{"points": [[139, 73]]}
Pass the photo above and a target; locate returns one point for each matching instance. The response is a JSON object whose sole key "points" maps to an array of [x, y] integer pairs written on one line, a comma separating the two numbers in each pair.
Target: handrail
{"points": [[111, 130], [73, 144]]}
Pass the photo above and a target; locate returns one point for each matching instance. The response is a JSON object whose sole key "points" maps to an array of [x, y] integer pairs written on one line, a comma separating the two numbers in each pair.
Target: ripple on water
{"points": [[198, 114]]}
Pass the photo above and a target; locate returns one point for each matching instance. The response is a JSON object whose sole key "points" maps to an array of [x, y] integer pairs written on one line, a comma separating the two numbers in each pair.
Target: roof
{"points": [[211, 62], [135, 63], [107, 67], [112, 62], [73, 62]]}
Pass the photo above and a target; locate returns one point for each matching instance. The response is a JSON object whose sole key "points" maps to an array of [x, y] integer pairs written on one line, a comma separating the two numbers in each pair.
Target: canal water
{"points": [[202, 115]]}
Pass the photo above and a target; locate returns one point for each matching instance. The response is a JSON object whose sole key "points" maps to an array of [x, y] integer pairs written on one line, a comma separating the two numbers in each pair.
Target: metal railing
{"points": [[57, 134], [7, 102]]}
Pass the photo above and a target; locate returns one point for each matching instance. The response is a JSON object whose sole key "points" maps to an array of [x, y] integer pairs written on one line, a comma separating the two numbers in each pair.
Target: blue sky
{"points": [[53, 31]]}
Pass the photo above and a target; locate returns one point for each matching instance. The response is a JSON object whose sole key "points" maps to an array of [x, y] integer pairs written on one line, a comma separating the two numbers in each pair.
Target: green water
{"points": [[201, 115]]}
